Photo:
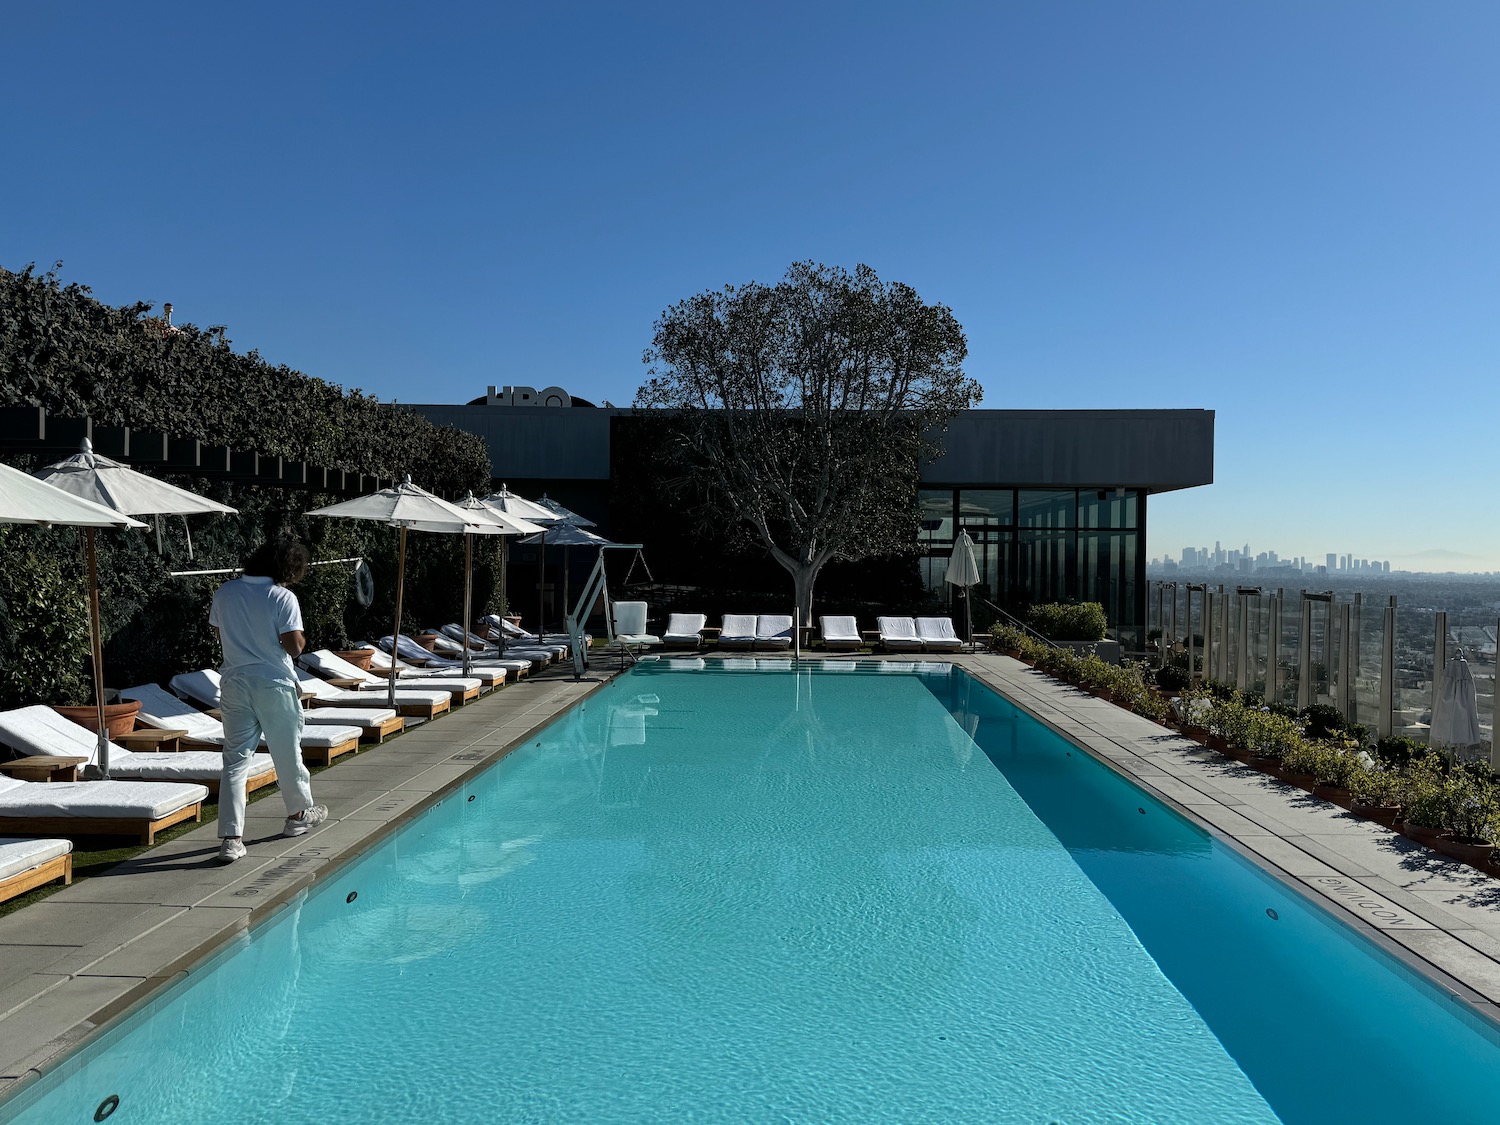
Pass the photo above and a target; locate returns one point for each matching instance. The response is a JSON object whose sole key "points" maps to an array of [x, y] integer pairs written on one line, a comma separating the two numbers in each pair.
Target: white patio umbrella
{"points": [[507, 503], [1455, 713], [561, 513], [115, 485], [405, 506], [504, 525], [963, 572], [24, 499]]}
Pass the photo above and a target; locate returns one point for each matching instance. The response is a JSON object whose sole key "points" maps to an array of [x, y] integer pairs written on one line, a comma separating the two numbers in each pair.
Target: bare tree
{"points": [[801, 413]]}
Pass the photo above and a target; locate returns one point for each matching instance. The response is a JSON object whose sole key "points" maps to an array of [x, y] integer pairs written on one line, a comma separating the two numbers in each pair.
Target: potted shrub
{"points": [[340, 646], [1374, 792], [1471, 819], [1424, 801], [1274, 737], [1335, 774], [1302, 764]]}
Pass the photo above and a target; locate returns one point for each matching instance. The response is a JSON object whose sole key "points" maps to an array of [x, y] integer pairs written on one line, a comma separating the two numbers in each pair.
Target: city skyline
{"points": [[1274, 211]]}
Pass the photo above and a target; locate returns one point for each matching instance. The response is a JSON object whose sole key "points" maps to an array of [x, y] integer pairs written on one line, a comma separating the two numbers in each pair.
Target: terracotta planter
{"points": [[428, 641], [1380, 814], [1301, 780], [1428, 837], [1217, 742], [359, 657], [119, 718], [1338, 794], [1476, 853], [1271, 766]]}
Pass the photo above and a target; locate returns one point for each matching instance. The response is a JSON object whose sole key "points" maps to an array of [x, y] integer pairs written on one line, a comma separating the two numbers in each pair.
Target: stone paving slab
{"points": [[93, 950], [1441, 917]]}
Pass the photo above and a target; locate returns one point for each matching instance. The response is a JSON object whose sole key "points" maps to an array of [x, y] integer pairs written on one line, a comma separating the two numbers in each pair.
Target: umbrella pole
{"points": [[541, 577], [504, 556], [390, 698], [468, 593], [96, 640], [566, 554]]}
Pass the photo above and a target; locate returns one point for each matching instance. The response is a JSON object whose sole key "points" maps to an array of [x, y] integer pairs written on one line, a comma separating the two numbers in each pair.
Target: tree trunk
{"points": [[803, 579]]}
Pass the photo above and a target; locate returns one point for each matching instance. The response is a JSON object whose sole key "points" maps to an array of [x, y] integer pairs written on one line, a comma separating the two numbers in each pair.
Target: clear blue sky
{"points": [[1284, 211]]}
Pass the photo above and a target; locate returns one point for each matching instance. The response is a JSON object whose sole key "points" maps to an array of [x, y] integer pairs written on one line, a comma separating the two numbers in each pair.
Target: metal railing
{"points": [[1012, 619]]}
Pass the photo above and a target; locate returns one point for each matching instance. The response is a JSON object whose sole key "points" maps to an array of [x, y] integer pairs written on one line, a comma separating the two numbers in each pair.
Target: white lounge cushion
{"points": [[898, 632], [332, 667], [937, 634], [17, 856], [40, 730], [480, 678], [202, 686], [324, 692], [773, 630], [685, 627], [165, 711], [839, 630], [737, 627], [126, 799], [514, 659]]}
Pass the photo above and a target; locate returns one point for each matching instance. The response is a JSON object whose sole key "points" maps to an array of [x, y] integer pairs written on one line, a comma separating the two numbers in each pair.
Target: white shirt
{"points": [[251, 613]]}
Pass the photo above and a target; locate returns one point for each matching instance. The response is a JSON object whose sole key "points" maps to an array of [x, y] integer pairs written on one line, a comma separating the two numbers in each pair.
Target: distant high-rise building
{"points": [[1386, 566], [1333, 564]]}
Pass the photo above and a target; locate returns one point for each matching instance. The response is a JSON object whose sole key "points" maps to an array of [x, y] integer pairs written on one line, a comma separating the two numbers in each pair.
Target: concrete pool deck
{"points": [[78, 959]]}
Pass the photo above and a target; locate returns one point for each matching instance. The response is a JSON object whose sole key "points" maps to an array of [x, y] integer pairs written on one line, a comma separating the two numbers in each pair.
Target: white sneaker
{"points": [[231, 849], [310, 818]]}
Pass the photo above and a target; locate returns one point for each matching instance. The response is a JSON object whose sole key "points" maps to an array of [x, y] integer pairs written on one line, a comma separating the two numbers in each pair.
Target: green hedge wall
{"points": [[63, 350]]}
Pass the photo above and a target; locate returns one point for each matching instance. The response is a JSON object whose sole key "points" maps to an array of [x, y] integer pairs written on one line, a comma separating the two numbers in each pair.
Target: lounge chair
{"points": [[38, 731], [840, 634], [773, 632], [514, 662], [553, 650], [358, 710], [899, 634], [164, 711], [937, 634], [737, 631], [28, 864], [97, 808], [339, 671], [498, 624], [630, 627], [684, 630], [382, 663]]}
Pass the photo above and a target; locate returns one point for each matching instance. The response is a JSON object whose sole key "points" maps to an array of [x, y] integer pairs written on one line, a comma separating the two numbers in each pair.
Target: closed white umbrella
{"points": [[24, 499], [1455, 713], [503, 525], [963, 572], [406, 507]]}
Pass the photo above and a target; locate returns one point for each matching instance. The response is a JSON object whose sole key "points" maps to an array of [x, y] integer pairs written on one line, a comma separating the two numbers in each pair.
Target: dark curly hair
{"points": [[282, 559]]}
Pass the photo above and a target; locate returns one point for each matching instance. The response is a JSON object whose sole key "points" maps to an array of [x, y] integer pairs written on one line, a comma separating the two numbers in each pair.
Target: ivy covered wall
{"points": [[63, 350]]}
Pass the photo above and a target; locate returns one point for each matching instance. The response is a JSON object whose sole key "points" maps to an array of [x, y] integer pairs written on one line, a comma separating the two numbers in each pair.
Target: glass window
{"points": [[1107, 508], [1045, 567], [1052, 508], [979, 507], [936, 508]]}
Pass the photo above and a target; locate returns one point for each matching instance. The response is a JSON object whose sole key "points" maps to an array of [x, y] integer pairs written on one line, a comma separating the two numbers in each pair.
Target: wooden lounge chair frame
{"points": [[58, 867], [71, 827]]}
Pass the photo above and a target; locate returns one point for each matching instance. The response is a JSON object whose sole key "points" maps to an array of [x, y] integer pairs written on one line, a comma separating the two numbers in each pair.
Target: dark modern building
{"points": [[1055, 500]]}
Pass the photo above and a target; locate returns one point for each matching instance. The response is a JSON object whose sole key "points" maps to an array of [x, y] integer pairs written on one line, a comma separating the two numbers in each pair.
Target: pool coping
{"points": [[1434, 915], [84, 959]]}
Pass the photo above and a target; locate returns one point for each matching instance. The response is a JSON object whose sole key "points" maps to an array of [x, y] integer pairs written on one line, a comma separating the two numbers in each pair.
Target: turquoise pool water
{"points": [[768, 895]]}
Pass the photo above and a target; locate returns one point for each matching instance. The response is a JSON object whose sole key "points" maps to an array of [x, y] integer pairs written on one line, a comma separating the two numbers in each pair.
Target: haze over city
{"points": [[1282, 212]]}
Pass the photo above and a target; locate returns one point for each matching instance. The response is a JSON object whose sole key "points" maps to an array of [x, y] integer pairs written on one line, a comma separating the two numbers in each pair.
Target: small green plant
{"points": [[1081, 622], [1172, 678], [1472, 808], [1377, 785], [1399, 751], [1323, 721], [1424, 796]]}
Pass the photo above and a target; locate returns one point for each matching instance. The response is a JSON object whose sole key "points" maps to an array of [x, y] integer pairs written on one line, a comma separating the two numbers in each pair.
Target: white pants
{"points": [[253, 707]]}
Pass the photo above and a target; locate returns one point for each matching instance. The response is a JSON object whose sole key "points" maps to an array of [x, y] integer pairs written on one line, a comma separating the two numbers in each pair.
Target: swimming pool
{"points": [[775, 895]]}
